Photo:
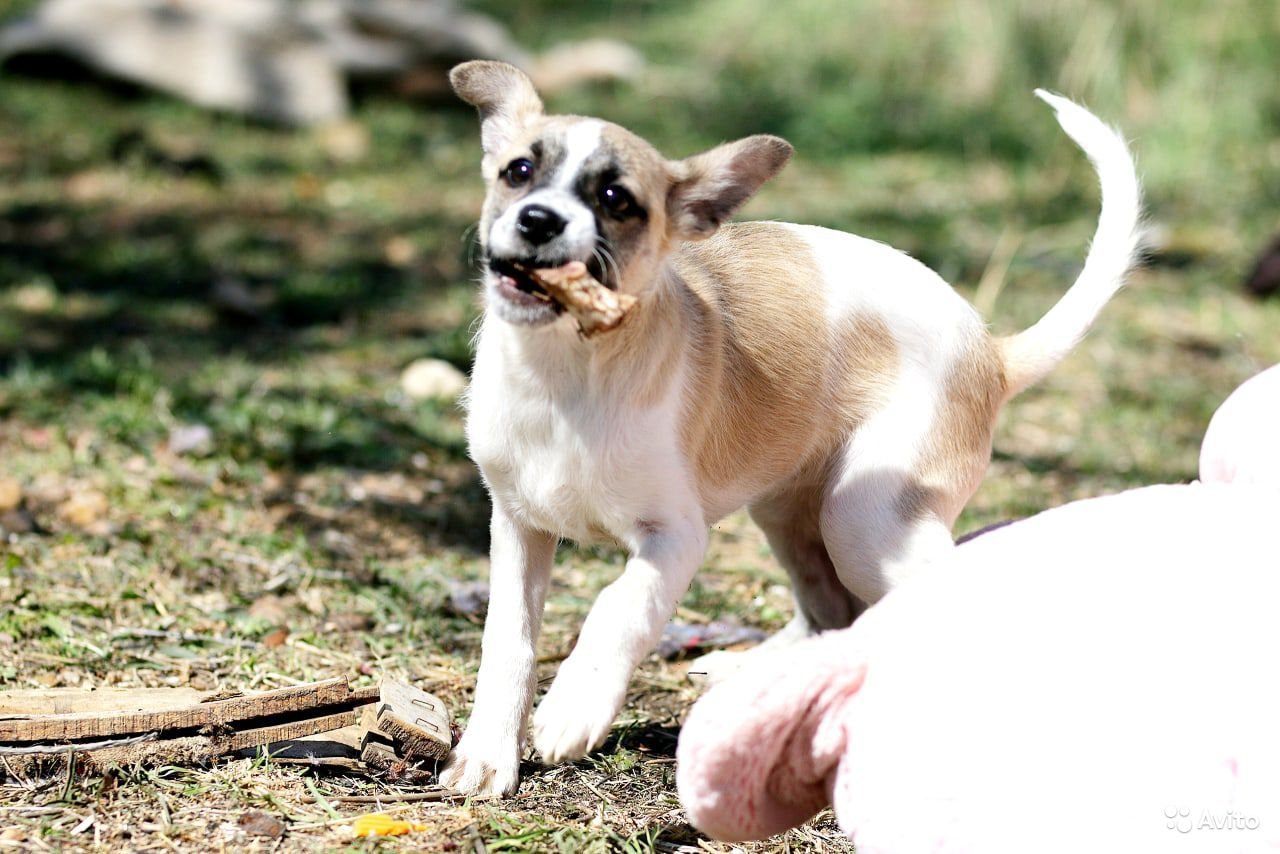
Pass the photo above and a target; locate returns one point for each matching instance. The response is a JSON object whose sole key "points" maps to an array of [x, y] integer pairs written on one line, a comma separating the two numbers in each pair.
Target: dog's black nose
{"points": [[539, 223]]}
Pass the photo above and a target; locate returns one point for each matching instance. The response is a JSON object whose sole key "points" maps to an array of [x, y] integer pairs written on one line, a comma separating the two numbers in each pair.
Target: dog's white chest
{"points": [[583, 468]]}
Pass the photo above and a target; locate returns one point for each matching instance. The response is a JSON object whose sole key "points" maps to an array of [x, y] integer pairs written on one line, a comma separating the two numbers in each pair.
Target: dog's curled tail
{"points": [[1030, 355]]}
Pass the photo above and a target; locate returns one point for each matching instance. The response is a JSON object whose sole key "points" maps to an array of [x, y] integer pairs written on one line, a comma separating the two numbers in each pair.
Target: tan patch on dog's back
{"points": [[772, 384], [959, 449]]}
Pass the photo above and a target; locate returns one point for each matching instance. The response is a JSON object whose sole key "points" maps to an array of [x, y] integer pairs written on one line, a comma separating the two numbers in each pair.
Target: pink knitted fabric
{"points": [[1099, 677], [1242, 444]]}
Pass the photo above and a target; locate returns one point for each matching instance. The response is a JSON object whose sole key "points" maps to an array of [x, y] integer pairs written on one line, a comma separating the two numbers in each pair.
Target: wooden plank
{"points": [[201, 749], [187, 750], [159, 717], [285, 732], [68, 701]]}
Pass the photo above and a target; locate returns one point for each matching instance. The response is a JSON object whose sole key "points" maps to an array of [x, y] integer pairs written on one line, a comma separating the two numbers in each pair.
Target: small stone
{"points": [[17, 522], [432, 379], [193, 439]]}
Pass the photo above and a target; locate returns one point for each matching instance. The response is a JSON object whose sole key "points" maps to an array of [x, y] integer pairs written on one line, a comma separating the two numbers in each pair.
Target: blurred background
{"points": [[266, 267], [237, 266], [237, 253]]}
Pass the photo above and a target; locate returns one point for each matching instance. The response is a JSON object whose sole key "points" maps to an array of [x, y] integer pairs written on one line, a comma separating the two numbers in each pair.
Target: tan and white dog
{"points": [[837, 388]]}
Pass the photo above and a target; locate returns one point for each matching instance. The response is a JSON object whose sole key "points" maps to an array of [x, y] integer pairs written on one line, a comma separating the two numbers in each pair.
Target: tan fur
{"points": [[764, 395], [955, 459]]}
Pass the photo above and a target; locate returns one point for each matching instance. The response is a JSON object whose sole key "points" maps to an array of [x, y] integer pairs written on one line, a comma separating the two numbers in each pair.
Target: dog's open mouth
{"points": [[517, 276]]}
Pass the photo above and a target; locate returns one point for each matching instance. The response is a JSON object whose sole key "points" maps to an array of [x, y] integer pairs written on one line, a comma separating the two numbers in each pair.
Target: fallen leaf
{"points": [[10, 494], [84, 508], [261, 824], [469, 598], [270, 609], [348, 622], [17, 522], [275, 638], [381, 824], [38, 438], [345, 142], [679, 639]]}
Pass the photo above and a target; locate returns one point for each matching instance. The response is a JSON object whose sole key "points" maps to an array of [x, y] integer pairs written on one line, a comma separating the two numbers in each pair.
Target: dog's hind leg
{"points": [[901, 479], [789, 520], [881, 526]]}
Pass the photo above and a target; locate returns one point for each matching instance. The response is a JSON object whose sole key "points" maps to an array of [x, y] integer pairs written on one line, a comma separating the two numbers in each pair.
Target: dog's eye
{"points": [[518, 172], [617, 200]]}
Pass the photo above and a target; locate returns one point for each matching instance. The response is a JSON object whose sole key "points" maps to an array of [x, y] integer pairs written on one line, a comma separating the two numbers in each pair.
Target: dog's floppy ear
{"points": [[505, 97], [709, 187]]}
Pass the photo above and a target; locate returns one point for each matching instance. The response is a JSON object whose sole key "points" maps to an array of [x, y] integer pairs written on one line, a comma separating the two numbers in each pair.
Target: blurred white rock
{"points": [[432, 379]]}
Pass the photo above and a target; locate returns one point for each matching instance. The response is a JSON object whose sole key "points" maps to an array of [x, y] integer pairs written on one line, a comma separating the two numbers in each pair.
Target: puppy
{"points": [[837, 388]]}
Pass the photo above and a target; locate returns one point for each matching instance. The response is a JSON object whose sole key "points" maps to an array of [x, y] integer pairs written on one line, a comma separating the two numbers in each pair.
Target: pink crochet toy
{"points": [[1099, 677]]}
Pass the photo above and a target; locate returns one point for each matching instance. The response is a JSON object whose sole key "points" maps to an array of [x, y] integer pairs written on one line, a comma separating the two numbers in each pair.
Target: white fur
{"points": [[1033, 353], [579, 237], [564, 453], [581, 141]]}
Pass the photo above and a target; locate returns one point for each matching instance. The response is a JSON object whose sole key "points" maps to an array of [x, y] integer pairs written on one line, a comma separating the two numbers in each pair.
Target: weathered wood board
{"points": [[155, 711], [320, 723]]}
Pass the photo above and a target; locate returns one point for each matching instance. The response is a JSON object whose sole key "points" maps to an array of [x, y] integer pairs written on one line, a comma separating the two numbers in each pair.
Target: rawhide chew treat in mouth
{"points": [[594, 306]]}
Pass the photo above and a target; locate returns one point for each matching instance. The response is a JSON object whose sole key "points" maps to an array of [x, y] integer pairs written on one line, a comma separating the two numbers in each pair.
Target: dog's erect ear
{"points": [[710, 186], [505, 97]]}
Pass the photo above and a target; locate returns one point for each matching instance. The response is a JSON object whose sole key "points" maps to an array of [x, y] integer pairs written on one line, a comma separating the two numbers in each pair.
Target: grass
{"points": [[330, 504]]}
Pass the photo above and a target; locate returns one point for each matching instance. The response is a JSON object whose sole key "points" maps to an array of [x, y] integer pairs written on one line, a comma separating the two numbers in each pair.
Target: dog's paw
{"points": [[569, 722], [477, 768]]}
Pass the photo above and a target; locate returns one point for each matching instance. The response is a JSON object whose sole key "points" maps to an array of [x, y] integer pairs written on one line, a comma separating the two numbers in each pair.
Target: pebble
{"points": [[432, 379]]}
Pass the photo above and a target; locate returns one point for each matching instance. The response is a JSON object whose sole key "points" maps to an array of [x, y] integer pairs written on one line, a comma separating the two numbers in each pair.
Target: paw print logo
{"points": [[1179, 819]]}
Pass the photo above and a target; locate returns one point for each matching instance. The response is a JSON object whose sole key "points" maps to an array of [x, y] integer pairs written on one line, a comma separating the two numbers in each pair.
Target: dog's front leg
{"points": [[487, 759], [623, 626]]}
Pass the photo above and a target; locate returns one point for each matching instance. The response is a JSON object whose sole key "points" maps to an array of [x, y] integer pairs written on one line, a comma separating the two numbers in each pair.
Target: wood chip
{"points": [[416, 720]]}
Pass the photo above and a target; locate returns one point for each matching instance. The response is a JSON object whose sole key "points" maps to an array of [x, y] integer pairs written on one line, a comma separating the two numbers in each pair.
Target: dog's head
{"points": [[569, 188]]}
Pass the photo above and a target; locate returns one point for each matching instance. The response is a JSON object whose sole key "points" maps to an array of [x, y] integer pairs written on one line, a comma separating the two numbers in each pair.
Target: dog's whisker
{"points": [[472, 244], [608, 264]]}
